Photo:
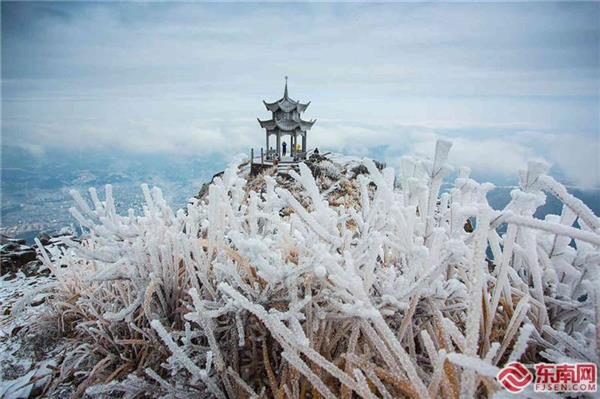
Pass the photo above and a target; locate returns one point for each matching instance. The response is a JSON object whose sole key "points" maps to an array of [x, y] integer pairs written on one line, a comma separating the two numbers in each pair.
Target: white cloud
{"points": [[488, 155], [485, 151], [577, 156], [189, 79]]}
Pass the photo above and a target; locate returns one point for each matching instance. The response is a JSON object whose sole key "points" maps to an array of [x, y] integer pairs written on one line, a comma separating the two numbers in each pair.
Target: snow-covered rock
{"points": [[16, 255]]}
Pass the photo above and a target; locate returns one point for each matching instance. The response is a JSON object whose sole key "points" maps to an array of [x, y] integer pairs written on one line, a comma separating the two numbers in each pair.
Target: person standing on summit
{"points": [[284, 147]]}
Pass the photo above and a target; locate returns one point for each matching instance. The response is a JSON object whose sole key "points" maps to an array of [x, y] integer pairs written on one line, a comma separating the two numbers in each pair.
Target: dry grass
{"points": [[355, 295]]}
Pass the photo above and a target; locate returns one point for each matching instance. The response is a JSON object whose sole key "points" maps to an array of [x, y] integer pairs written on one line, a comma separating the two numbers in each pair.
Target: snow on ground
{"points": [[23, 358]]}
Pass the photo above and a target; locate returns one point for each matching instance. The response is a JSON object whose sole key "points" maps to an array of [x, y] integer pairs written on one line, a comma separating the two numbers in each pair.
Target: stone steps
{"points": [[285, 167]]}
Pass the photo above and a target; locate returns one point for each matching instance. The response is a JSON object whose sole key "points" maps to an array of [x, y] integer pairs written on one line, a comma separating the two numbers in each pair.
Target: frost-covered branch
{"points": [[299, 286]]}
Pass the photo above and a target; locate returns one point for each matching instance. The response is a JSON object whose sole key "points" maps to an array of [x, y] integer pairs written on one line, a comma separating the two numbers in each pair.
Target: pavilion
{"points": [[287, 126]]}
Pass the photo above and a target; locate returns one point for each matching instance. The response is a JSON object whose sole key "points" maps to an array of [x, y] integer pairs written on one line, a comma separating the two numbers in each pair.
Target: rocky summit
{"points": [[16, 255]]}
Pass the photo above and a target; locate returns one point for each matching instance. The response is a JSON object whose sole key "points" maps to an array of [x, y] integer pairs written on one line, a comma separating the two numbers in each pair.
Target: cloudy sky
{"points": [[507, 82]]}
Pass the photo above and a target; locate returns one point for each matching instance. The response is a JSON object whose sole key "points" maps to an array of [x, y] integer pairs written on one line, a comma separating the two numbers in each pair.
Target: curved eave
{"points": [[271, 106], [270, 124], [286, 125], [302, 107], [307, 125], [286, 105]]}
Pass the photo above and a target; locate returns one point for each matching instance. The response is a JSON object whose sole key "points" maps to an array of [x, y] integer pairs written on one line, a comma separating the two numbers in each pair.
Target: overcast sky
{"points": [[507, 82]]}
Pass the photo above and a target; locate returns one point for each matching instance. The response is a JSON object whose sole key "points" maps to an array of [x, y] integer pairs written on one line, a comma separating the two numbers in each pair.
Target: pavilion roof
{"points": [[286, 104], [287, 124]]}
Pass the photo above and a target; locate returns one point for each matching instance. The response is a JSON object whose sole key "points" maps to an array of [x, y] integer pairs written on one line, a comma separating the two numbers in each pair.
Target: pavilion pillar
{"points": [[278, 144], [304, 144], [267, 145]]}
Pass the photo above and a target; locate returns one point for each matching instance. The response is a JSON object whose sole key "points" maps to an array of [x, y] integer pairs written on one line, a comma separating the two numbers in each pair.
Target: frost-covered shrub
{"points": [[329, 170], [391, 297]]}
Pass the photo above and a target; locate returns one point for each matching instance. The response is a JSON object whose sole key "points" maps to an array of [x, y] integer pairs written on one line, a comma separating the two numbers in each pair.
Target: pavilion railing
{"points": [[271, 155]]}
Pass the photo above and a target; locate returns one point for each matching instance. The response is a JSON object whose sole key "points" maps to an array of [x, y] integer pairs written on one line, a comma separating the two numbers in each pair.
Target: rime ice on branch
{"points": [[389, 296]]}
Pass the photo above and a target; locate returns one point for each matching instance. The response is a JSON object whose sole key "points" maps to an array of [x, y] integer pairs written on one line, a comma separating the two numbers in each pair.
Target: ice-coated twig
{"points": [[181, 357], [332, 286]]}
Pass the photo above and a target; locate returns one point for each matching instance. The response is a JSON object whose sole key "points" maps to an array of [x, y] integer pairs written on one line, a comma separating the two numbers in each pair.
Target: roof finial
{"points": [[285, 92]]}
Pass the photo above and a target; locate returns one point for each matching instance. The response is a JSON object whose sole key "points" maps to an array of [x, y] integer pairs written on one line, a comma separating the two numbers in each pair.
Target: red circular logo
{"points": [[514, 377]]}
